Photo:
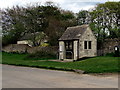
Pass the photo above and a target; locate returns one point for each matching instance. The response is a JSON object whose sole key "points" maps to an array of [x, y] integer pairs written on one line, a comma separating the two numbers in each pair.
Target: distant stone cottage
{"points": [[77, 42]]}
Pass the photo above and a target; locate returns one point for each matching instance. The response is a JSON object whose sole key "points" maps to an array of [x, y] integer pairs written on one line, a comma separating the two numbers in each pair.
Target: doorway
{"points": [[69, 49]]}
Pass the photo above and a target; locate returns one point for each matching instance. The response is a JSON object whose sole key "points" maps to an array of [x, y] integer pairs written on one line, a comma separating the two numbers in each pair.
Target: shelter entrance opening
{"points": [[69, 49]]}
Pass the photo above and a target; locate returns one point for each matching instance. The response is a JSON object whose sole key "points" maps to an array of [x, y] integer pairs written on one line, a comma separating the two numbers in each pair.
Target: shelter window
{"points": [[89, 43], [69, 45], [85, 44]]}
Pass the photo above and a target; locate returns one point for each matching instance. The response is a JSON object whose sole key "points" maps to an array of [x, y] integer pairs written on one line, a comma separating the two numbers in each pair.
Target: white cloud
{"points": [[74, 6]]}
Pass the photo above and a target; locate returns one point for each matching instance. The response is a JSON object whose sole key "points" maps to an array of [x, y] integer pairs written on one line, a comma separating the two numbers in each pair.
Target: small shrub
{"points": [[44, 44], [41, 55], [113, 54], [110, 54]]}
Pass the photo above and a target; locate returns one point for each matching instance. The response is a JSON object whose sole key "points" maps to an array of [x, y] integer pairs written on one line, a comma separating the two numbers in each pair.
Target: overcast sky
{"points": [[72, 5]]}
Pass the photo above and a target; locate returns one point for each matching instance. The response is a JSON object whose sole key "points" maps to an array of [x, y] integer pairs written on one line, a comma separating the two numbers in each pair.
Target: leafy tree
{"points": [[50, 19], [12, 24], [35, 22], [83, 17], [18, 21], [58, 21], [105, 21]]}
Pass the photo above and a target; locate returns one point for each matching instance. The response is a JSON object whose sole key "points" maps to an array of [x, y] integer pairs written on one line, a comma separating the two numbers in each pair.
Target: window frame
{"points": [[69, 45], [89, 44], [85, 44]]}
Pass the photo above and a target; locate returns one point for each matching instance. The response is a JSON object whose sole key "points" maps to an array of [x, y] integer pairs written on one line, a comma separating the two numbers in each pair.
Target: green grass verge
{"points": [[102, 64]]}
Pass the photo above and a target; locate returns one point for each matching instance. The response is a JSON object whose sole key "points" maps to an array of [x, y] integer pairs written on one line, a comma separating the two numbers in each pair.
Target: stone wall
{"points": [[108, 46], [20, 48], [87, 36], [24, 48]]}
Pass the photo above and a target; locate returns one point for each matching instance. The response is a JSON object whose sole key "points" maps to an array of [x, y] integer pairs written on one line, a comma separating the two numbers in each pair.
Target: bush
{"points": [[113, 54], [110, 54], [41, 55]]}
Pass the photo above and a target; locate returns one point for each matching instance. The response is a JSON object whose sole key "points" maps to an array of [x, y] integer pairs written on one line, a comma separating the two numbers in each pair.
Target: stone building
{"points": [[77, 42]]}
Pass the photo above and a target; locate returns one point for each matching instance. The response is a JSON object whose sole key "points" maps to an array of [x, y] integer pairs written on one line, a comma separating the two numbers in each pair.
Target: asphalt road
{"points": [[25, 77]]}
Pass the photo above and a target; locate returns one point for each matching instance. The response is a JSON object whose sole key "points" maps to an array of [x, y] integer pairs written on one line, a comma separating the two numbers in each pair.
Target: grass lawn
{"points": [[101, 64]]}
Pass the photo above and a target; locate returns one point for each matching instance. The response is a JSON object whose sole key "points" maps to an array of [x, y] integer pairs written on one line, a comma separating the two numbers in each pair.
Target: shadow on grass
{"points": [[83, 58]]}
